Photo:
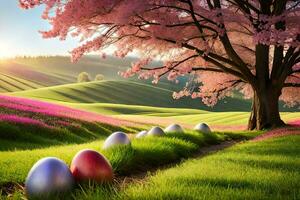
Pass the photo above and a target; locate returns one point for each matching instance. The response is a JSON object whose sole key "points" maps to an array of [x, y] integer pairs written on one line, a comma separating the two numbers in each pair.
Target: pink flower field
{"points": [[27, 111], [22, 120]]}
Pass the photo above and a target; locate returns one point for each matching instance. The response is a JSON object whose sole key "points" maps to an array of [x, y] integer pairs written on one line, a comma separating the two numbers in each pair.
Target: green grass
{"points": [[263, 170], [228, 118], [29, 73], [253, 170], [146, 152], [128, 93], [165, 116], [131, 100], [20, 74], [24, 136]]}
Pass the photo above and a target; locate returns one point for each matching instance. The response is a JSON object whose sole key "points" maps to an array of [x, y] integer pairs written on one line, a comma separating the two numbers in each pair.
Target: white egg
{"points": [[117, 138], [141, 134], [174, 128], [155, 131], [202, 127]]}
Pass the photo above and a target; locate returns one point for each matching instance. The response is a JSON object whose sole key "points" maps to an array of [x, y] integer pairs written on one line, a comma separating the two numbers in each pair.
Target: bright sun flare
{"points": [[6, 50]]}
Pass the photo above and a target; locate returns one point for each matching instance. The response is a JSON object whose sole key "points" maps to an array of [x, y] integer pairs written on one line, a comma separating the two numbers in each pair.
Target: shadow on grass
{"points": [[283, 166], [15, 136], [147, 153], [75, 98], [215, 182]]}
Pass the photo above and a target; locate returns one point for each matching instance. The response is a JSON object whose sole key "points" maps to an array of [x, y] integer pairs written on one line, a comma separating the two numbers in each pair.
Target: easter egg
{"points": [[90, 165], [156, 131], [174, 128], [117, 138], [49, 176], [202, 127], [141, 134]]}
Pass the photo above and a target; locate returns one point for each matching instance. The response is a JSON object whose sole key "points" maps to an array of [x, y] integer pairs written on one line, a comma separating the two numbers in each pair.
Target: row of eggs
{"points": [[51, 175], [157, 131], [120, 138]]}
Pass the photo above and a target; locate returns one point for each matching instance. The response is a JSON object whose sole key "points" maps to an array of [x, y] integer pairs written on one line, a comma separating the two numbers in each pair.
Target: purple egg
{"points": [[141, 134], [49, 176], [174, 128], [156, 131], [117, 138], [202, 127]]}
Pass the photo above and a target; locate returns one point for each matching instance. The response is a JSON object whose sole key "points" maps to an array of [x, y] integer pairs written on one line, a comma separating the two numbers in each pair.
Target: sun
{"points": [[6, 50]]}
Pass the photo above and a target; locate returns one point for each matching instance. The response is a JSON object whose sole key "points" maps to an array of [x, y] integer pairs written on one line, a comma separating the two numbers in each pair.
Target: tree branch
{"points": [[211, 57], [242, 66], [207, 69]]}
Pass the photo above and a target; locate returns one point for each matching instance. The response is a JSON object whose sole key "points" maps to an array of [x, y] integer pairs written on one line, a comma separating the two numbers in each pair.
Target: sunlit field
{"points": [[149, 100], [61, 120], [130, 100], [61, 132], [254, 170]]}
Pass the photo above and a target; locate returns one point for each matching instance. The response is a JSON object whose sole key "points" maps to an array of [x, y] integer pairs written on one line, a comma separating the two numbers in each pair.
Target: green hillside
{"points": [[30, 73], [126, 92], [60, 65], [27, 73], [150, 104]]}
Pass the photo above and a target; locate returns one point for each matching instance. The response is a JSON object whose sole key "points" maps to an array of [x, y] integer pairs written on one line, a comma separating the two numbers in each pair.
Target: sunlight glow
{"points": [[6, 50]]}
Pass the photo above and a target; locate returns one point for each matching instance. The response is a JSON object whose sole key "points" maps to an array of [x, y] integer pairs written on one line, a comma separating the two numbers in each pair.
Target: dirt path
{"points": [[142, 176]]}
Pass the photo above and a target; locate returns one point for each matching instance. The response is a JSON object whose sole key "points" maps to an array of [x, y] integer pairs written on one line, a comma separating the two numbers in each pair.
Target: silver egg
{"points": [[174, 128], [117, 138], [156, 131], [49, 176], [202, 127], [141, 134]]}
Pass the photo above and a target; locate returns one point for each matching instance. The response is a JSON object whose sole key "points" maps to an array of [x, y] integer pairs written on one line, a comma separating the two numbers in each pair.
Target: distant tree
{"points": [[83, 77], [247, 45], [99, 77]]}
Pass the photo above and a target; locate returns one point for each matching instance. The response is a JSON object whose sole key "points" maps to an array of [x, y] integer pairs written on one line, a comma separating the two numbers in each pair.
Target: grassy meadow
{"points": [[143, 154], [128, 93], [267, 169], [15, 165], [44, 112], [254, 170], [144, 103]]}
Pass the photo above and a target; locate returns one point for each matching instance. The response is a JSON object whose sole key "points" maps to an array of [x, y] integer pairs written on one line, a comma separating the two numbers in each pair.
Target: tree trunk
{"points": [[265, 110]]}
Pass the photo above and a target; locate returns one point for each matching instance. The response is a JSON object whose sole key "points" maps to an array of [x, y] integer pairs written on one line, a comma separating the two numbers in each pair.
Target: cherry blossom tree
{"points": [[226, 45]]}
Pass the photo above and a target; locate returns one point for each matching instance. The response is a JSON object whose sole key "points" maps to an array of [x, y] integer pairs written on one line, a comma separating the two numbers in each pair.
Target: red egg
{"points": [[91, 165]]}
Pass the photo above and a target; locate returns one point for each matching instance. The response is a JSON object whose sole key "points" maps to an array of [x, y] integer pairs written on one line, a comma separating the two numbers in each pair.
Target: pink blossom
{"points": [[187, 38], [22, 120]]}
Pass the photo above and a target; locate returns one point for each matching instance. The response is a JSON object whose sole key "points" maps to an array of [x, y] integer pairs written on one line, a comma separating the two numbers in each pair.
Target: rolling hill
{"points": [[29, 73], [25, 73], [129, 93], [150, 104]]}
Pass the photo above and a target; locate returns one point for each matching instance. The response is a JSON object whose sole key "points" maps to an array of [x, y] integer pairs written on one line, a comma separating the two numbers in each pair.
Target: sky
{"points": [[19, 33]]}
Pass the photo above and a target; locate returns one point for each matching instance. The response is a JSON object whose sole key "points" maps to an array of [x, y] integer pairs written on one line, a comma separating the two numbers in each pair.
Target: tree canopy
{"points": [[247, 45]]}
